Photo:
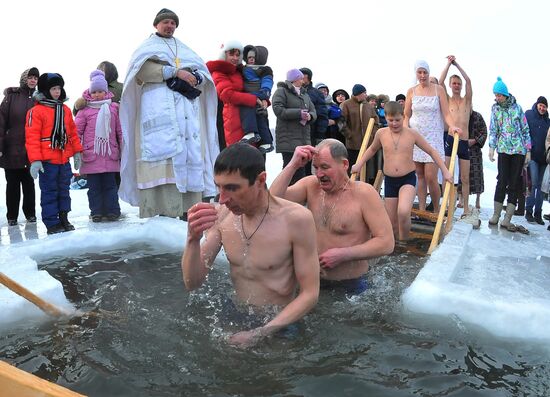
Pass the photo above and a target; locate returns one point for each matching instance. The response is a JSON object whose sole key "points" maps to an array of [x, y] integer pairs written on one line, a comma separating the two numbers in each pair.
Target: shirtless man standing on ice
{"points": [[352, 224], [460, 109], [269, 243]]}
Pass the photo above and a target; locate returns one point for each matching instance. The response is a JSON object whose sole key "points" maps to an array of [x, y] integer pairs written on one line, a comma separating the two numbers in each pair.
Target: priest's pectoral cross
{"points": [[177, 63]]}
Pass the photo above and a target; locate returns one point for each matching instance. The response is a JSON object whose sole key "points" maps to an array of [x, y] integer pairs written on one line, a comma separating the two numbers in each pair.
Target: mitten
{"points": [[77, 158], [36, 167]]}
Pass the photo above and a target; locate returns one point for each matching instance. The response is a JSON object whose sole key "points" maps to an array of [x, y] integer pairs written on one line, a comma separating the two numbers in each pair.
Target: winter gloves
{"points": [[77, 159], [36, 167], [183, 87]]}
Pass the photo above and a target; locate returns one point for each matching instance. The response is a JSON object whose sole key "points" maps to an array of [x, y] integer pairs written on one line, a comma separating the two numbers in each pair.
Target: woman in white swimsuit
{"points": [[426, 108]]}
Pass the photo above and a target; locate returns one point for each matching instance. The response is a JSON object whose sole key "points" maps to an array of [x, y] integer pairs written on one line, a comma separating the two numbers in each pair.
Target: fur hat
{"points": [[230, 45], [48, 80], [372, 97], [500, 88], [382, 98], [294, 74], [358, 89], [165, 13], [98, 81]]}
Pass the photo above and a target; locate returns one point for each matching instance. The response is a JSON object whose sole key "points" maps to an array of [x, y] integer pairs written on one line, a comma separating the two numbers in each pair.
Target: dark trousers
{"points": [[509, 177], [251, 121], [15, 180], [299, 174], [219, 125], [54, 191], [536, 198], [103, 194]]}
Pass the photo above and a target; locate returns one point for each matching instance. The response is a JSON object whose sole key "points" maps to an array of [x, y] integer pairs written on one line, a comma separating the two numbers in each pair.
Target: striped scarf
{"points": [[58, 138]]}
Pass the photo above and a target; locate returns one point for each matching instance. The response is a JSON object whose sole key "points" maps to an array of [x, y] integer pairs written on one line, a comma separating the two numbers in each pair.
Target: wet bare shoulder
{"points": [[292, 213], [364, 192]]}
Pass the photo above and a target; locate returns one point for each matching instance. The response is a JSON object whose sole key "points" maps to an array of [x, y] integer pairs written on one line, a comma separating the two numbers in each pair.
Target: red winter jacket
{"points": [[38, 129], [230, 87]]}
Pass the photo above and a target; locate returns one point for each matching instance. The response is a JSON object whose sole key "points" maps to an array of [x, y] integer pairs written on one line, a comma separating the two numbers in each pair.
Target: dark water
{"points": [[147, 336]]}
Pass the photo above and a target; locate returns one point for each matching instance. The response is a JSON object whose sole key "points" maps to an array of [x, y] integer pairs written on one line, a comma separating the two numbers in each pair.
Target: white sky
{"points": [[343, 42]]}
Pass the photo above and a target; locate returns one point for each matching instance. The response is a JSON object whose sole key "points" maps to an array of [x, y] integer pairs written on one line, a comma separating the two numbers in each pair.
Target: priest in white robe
{"points": [[168, 117]]}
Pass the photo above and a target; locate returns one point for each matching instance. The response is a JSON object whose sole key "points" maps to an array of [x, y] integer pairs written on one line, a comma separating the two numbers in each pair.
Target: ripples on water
{"points": [[144, 335]]}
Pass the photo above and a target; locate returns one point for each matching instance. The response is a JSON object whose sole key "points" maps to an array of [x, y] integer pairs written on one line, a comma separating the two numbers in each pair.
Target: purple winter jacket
{"points": [[94, 163]]}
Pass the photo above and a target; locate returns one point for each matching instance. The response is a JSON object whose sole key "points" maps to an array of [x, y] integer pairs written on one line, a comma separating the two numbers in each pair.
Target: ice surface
{"points": [[489, 277]]}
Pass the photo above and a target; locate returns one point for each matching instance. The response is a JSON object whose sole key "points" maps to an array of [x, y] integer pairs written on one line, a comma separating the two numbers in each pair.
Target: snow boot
{"points": [[538, 218], [496, 214], [63, 218], [56, 229], [507, 221], [529, 216]]}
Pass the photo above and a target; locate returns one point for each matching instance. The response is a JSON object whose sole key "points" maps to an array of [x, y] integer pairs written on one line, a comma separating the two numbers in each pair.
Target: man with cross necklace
{"points": [[352, 225], [269, 243], [168, 119]]}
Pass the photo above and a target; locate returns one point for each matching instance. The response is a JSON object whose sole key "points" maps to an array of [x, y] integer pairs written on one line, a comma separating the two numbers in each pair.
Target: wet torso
{"points": [[460, 109], [262, 268], [398, 152], [339, 223]]}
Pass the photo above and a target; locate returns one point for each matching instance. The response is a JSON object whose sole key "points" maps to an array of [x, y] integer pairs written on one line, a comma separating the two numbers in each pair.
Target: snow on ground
{"points": [[489, 277]]}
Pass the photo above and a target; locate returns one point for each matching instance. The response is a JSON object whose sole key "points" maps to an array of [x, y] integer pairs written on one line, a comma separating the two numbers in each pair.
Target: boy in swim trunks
{"points": [[397, 143]]}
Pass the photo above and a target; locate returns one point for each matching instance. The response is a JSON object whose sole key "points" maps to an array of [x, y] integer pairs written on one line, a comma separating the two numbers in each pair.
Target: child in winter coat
{"points": [[99, 131], [50, 140], [258, 80]]}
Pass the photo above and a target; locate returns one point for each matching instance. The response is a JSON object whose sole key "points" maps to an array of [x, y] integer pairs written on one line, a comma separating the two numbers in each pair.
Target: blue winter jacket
{"points": [[538, 128]]}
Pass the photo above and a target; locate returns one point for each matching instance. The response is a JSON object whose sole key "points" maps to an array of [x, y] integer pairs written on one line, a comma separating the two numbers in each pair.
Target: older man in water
{"points": [[269, 242], [352, 224]]}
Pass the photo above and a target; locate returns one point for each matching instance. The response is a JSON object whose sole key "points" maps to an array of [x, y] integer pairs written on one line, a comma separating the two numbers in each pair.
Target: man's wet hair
{"points": [[337, 149], [393, 109], [241, 157]]}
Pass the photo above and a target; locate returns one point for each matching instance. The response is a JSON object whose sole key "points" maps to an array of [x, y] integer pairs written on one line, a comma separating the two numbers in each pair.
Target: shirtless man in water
{"points": [[352, 224], [269, 243], [460, 109]]}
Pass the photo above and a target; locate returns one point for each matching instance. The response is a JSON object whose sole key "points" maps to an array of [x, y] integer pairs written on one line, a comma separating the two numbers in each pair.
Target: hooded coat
{"points": [[508, 129], [95, 163], [38, 129], [287, 106], [538, 129], [13, 110], [230, 87]]}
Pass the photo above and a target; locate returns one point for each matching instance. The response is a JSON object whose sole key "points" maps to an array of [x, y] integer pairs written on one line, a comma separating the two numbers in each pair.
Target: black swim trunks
{"points": [[392, 184], [463, 147], [354, 286]]}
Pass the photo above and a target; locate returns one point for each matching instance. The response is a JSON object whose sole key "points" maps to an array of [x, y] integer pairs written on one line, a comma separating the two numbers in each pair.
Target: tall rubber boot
{"points": [[63, 218], [496, 214], [507, 221]]}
